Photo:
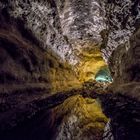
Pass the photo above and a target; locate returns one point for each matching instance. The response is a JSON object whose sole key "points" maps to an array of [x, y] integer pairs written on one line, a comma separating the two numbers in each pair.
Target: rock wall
{"points": [[23, 62], [122, 19], [123, 104], [76, 30], [54, 27], [124, 62], [42, 18], [28, 73]]}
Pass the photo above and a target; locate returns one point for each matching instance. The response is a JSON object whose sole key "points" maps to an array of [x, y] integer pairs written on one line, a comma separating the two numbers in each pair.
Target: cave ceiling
{"points": [[82, 33]]}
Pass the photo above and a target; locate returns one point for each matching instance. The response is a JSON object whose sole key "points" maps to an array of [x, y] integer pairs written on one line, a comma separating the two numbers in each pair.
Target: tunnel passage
{"points": [[39, 41], [103, 75]]}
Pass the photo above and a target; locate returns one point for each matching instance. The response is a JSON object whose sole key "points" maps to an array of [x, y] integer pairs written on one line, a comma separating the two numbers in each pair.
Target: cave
{"points": [[69, 70]]}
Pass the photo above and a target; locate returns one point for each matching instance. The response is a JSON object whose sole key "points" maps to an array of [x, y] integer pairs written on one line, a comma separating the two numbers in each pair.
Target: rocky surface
{"points": [[77, 30], [124, 100], [56, 22], [62, 25], [125, 64], [23, 63], [38, 41], [123, 18], [45, 21], [27, 72]]}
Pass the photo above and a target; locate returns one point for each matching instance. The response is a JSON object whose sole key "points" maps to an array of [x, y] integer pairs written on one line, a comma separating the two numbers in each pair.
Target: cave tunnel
{"points": [[69, 70], [103, 75]]}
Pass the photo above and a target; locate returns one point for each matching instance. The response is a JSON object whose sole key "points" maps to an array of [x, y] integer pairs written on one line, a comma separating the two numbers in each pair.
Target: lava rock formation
{"points": [[51, 52]]}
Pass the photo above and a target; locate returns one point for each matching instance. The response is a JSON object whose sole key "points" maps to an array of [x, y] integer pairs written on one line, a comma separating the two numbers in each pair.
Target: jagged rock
{"points": [[125, 64], [108, 132], [76, 29], [123, 105], [52, 21], [123, 18], [27, 74]]}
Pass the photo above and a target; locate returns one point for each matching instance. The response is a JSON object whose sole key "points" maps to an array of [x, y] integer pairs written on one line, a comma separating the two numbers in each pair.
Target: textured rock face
{"points": [[27, 72], [124, 63], [125, 99], [22, 27], [75, 30], [122, 20], [23, 64], [42, 18], [81, 21], [52, 25], [66, 25]]}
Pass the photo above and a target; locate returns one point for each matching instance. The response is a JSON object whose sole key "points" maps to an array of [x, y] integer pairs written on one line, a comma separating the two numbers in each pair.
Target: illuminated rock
{"points": [[123, 104], [122, 18], [66, 26], [91, 62]]}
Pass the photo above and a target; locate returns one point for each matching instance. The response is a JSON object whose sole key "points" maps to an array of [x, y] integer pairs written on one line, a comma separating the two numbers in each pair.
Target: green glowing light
{"points": [[103, 75]]}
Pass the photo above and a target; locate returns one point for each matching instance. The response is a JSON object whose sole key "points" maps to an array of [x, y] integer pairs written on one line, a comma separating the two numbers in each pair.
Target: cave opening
{"points": [[103, 75]]}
